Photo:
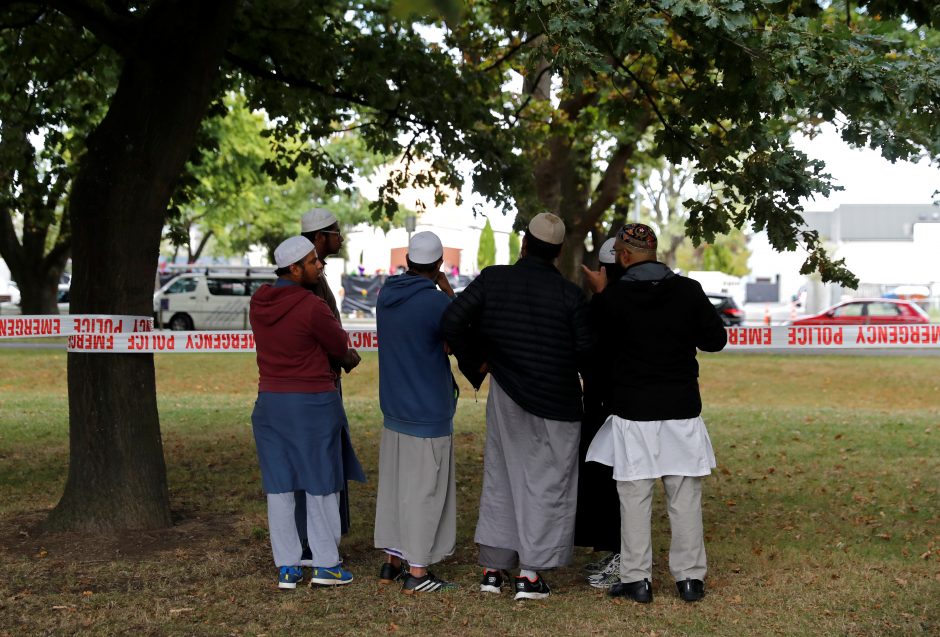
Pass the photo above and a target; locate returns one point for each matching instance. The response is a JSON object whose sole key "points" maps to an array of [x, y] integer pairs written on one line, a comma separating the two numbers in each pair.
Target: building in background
{"points": [[886, 246]]}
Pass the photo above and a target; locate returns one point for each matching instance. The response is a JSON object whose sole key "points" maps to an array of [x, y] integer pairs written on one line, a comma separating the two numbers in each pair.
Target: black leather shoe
{"points": [[640, 592], [691, 590]]}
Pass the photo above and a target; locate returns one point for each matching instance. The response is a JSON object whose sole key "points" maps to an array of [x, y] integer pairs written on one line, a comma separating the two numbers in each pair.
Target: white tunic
{"points": [[652, 449]]}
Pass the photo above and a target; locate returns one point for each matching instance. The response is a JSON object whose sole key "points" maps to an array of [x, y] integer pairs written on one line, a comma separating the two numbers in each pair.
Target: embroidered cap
{"points": [[292, 250], [638, 235]]}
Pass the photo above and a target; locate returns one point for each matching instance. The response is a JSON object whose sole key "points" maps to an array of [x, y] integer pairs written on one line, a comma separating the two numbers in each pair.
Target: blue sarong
{"points": [[303, 443]]}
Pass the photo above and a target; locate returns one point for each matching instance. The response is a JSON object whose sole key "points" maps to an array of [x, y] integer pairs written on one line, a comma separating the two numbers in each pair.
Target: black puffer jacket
{"points": [[530, 326], [651, 322]]}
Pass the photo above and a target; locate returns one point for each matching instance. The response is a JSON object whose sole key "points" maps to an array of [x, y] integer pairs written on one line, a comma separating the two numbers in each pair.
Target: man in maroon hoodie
{"points": [[298, 421]]}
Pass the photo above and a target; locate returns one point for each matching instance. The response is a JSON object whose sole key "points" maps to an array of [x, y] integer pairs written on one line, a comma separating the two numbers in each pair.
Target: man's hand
{"points": [[350, 360], [597, 281], [444, 283]]}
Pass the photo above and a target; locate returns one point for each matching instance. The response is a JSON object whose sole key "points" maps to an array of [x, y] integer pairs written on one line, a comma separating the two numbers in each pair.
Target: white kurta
{"points": [[652, 449]]}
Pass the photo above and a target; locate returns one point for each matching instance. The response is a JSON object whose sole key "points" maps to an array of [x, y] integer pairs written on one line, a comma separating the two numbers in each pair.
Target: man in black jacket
{"points": [[527, 326], [652, 321]]}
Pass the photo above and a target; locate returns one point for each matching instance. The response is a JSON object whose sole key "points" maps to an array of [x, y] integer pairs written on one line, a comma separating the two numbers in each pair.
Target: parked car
{"points": [[727, 309], [867, 312], [196, 301], [62, 301]]}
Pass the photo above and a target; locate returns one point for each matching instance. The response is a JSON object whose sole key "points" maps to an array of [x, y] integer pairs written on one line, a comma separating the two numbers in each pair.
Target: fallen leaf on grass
{"points": [[737, 599], [42, 553], [393, 627], [884, 536], [87, 593], [900, 582]]}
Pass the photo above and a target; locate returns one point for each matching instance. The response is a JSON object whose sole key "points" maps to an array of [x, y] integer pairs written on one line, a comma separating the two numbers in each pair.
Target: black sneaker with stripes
{"points": [[531, 589], [492, 582], [429, 583]]}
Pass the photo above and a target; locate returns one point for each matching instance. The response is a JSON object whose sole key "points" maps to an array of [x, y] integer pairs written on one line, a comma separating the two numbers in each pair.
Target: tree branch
{"points": [[606, 191], [512, 51], [116, 32], [652, 102], [260, 72]]}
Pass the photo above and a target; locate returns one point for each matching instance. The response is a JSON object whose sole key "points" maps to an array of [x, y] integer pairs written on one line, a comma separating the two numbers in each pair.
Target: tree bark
{"points": [[117, 475]]}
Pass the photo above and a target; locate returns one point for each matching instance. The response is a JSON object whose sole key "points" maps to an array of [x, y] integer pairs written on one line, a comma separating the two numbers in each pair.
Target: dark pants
{"points": [[597, 522]]}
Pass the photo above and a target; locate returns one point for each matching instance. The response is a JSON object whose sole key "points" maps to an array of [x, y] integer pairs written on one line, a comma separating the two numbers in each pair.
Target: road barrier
{"points": [[135, 334]]}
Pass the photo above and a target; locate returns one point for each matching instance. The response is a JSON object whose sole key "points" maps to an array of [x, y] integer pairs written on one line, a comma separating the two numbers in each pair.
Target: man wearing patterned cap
{"points": [[321, 228], [652, 321], [527, 326], [298, 419], [415, 507]]}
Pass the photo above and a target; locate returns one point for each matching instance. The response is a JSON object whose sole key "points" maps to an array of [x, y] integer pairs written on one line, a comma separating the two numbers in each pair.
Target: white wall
{"points": [[878, 262]]}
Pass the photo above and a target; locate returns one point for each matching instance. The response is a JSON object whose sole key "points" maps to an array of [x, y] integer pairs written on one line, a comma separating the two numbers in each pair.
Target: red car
{"points": [[867, 312]]}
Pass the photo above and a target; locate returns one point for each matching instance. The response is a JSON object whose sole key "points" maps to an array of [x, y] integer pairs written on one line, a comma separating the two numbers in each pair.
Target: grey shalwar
{"points": [[530, 487]]}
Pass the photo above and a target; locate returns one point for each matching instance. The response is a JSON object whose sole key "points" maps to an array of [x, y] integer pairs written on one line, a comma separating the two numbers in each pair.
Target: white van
{"points": [[207, 301]]}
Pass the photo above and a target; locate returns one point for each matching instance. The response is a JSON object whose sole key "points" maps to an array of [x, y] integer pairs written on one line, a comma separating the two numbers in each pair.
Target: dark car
{"points": [[868, 312], [727, 309]]}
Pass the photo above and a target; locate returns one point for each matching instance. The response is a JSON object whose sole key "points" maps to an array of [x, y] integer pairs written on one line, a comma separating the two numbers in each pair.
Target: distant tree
{"points": [[514, 246], [486, 251], [728, 254]]}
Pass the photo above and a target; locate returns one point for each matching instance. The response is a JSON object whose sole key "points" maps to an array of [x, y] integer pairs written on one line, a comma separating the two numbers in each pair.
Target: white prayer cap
{"points": [[548, 228], [317, 219], [606, 254], [425, 248], [292, 250]]}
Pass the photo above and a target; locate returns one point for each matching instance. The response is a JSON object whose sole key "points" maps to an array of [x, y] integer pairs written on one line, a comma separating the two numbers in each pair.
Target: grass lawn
{"points": [[823, 517]]}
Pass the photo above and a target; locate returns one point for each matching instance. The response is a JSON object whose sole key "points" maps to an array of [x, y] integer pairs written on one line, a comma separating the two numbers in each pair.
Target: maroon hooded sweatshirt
{"points": [[295, 335]]}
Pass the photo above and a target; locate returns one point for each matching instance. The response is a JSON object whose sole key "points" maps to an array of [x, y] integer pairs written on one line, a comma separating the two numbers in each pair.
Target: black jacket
{"points": [[530, 326], [650, 323]]}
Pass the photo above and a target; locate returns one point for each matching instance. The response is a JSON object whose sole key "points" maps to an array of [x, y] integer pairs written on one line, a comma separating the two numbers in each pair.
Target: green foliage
{"points": [[728, 254], [514, 246], [227, 195], [51, 97], [486, 251]]}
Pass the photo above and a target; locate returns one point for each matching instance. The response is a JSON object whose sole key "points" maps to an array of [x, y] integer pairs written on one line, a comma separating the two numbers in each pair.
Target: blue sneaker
{"points": [[289, 576], [330, 576]]}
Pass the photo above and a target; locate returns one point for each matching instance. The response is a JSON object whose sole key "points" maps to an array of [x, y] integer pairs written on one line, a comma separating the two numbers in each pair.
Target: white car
{"points": [[198, 301], [13, 305]]}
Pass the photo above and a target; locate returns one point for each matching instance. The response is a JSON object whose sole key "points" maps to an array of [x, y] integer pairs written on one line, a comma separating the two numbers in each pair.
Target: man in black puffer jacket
{"points": [[528, 327]]}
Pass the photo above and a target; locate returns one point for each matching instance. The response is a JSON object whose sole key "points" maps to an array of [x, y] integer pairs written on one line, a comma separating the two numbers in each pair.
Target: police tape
{"points": [[134, 334], [72, 324]]}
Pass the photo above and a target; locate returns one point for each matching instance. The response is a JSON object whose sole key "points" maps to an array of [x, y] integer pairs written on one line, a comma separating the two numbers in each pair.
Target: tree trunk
{"points": [[39, 289], [117, 475]]}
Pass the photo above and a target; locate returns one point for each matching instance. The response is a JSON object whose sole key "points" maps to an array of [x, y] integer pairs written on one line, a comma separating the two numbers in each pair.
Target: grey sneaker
{"points": [[604, 580], [600, 566]]}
